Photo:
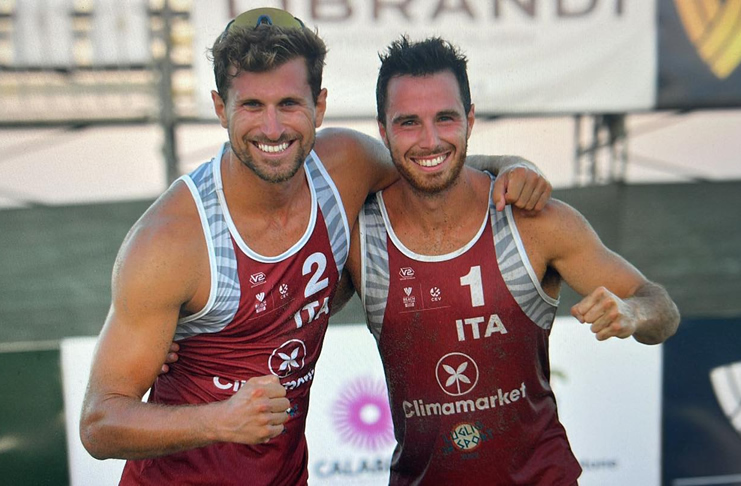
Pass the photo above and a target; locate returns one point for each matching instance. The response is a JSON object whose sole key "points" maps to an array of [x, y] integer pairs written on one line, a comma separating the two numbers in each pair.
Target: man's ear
{"points": [[321, 107], [219, 108], [471, 117], [382, 132]]}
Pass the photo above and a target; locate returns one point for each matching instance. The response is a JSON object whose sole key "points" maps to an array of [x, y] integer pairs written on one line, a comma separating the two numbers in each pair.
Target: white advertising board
{"points": [[525, 56], [84, 470], [349, 430], [609, 397]]}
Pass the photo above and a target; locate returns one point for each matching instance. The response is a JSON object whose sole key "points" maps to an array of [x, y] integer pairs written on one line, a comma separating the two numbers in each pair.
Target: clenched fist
{"points": [[521, 186], [608, 314], [256, 413]]}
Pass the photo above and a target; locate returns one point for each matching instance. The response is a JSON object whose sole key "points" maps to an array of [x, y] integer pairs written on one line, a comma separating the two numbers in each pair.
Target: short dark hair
{"points": [[430, 56], [264, 48]]}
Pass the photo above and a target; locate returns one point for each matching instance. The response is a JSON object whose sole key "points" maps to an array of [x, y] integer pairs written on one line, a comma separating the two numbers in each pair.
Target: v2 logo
{"points": [[257, 279], [406, 273]]}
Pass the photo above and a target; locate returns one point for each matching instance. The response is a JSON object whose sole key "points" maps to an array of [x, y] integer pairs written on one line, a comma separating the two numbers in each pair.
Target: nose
{"points": [[272, 127], [429, 137]]}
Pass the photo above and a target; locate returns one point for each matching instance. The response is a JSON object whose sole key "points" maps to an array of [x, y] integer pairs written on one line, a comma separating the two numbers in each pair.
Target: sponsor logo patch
{"points": [[457, 374]]}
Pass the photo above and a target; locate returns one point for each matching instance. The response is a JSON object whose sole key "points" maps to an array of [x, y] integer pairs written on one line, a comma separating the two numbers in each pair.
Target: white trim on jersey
{"points": [[363, 255], [429, 258], [210, 248], [525, 259], [330, 182], [233, 228]]}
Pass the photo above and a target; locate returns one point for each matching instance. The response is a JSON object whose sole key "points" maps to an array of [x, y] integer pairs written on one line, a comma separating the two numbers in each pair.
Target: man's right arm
{"points": [[151, 282]]}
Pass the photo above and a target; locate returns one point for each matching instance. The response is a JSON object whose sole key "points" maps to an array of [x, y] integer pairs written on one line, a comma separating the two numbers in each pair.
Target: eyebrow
{"points": [[407, 117], [252, 99], [402, 118], [450, 113]]}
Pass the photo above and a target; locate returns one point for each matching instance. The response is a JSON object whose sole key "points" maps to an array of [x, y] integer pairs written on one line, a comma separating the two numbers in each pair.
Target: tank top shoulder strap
{"points": [[223, 299], [374, 263], [517, 271], [330, 204]]}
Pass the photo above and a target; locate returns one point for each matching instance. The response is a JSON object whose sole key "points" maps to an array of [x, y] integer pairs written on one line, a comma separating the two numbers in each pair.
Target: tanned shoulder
{"points": [[165, 253], [358, 164], [552, 232]]}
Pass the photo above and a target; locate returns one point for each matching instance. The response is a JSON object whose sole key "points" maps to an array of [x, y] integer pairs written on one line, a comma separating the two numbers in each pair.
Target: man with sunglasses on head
{"points": [[238, 263], [461, 297]]}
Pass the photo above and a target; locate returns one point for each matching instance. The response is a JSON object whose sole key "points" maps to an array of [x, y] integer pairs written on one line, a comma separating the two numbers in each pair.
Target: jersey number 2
{"points": [[318, 260]]}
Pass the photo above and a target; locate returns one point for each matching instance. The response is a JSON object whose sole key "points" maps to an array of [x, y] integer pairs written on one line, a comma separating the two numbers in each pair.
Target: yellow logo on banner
{"points": [[714, 27]]}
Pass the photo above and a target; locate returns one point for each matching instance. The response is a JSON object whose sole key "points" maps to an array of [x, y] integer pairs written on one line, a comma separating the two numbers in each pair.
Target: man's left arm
{"points": [[519, 182], [618, 300]]}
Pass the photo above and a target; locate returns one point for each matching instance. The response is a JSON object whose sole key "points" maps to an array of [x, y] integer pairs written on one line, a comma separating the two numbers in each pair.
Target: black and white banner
{"points": [[525, 56]]}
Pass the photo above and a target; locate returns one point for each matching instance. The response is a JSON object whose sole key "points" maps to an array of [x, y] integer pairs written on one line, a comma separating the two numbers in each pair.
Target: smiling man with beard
{"points": [[461, 297]]}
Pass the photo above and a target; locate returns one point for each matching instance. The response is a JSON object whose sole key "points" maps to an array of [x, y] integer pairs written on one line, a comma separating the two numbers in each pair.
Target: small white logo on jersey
{"points": [[409, 299], [406, 273], [283, 289], [289, 362], [287, 358], [257, 279], [261, 305], [435, 294], [457, 374]]}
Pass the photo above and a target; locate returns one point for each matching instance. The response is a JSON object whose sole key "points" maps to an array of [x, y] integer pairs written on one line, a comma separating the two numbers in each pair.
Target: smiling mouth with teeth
{"points": [[272, 149], [431, 162]]}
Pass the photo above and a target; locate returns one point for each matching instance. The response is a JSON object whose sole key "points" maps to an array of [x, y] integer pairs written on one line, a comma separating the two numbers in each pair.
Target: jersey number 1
{"points": [[473, 280]]}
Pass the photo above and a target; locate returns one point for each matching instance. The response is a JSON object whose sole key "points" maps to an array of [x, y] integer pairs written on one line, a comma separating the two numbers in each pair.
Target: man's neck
{"points": [[433, 224], [247, 192], [270, 217]]}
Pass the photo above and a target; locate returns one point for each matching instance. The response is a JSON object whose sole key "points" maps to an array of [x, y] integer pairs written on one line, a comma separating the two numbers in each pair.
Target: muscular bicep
{"points": [[584, 262], [150, 284]]}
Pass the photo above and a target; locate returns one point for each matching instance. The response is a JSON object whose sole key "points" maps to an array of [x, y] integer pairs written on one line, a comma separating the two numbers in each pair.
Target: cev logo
{"points": [[457, 374], [288, 358], [713, 28], [435, 293]]}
